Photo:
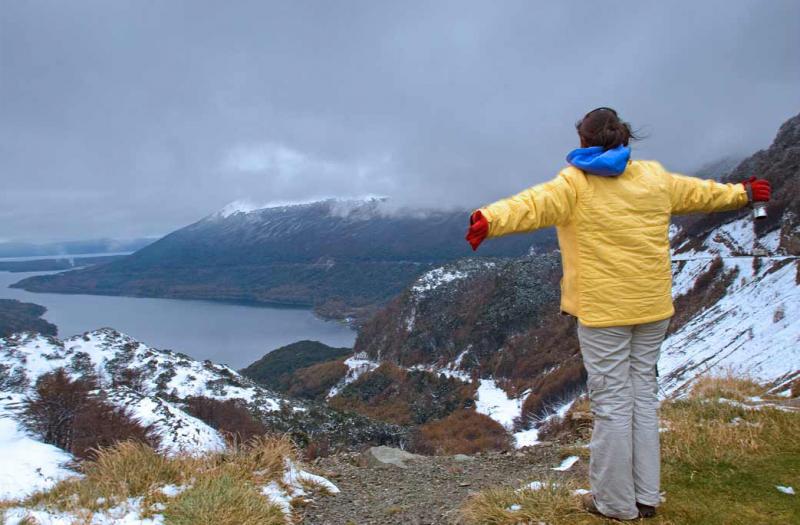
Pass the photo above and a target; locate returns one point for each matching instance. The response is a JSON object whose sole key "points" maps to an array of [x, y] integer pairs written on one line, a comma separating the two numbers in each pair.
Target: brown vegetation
{"points": [[66, 413], [390, 393], [230, 417], [315, 381], [462, 432]]}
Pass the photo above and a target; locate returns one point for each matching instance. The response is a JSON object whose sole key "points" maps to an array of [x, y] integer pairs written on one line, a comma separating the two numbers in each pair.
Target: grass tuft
{"points": [[729, 385], [553, 503], [223, 500]]}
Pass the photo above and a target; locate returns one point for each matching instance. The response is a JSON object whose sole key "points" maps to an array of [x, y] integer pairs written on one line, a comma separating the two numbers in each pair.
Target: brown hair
{"points": [[603, 127]]}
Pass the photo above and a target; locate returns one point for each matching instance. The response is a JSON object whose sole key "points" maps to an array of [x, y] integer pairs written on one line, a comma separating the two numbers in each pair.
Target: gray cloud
{"points": [[134, 118]]}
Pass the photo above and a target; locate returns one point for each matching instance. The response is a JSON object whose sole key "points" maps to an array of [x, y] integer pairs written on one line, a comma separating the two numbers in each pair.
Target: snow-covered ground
{"points": [[495, 403], [753, 329], [27, 465]]}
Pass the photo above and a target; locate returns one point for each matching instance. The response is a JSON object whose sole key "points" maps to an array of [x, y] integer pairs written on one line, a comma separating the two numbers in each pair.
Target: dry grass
{"points": [[553, 504], [721, 462], [222, 500], [223, 488], [462, 432], [728, 385]]}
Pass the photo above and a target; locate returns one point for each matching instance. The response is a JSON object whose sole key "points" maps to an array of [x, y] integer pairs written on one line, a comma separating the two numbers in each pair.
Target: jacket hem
{"points": [[627, 322]]}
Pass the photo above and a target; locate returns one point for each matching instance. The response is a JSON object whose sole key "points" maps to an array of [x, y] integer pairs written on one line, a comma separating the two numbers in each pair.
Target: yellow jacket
{"points": [[613, 235]]}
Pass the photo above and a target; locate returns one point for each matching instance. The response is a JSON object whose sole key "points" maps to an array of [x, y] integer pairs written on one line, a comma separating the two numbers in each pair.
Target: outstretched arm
{"points": [[690, 194], [542, 205]]}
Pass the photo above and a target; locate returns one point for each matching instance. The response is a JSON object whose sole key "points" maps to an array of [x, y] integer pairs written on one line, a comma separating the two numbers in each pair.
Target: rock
{"points": [[462, 457], [389, 456]]}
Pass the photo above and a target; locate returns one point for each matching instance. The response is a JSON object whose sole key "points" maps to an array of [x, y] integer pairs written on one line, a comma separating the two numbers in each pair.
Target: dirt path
{"points": [[429, 491]]}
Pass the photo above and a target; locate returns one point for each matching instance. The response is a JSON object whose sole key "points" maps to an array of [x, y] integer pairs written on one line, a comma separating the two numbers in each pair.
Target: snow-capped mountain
{"points": [[334, 254]]}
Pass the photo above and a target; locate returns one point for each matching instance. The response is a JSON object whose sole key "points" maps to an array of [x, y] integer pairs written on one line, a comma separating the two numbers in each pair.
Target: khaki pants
{"points": [[625, 465]]}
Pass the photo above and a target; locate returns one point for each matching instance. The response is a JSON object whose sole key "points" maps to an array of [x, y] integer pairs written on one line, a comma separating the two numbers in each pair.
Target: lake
{"points": [[224, 333]]}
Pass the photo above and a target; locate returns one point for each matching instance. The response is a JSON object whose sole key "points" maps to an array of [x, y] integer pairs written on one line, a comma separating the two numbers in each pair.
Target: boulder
{"points": [[383, 455]]}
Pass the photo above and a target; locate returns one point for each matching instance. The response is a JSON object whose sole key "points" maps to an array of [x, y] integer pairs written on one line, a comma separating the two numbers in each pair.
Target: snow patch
{"points": [[27, 465], [566, 464], [435, 278], [357, 365], [526, 438], [495, 403]]}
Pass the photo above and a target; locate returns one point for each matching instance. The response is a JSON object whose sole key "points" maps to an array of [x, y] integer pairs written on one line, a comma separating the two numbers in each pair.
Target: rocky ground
{"points": [[427, 490]]}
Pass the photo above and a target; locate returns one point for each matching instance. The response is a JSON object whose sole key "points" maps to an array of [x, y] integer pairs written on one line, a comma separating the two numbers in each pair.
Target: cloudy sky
{"points": [[134, 118]]}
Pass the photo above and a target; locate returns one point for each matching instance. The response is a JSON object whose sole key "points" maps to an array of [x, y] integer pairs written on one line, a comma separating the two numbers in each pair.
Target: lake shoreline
{"points": [[222, 330]]}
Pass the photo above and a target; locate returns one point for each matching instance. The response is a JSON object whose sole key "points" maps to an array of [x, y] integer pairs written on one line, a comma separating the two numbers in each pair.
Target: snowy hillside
{"points": [[162, 375], [754, 327]]}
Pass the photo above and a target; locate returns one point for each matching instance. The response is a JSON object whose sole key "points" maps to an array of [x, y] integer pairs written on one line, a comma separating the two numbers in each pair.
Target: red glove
{"points": [[759, 191], [478, 229]]}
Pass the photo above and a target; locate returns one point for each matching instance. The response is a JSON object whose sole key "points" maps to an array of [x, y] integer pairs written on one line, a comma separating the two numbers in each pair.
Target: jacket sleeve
{"points": [[540, 206], [691, 195]]}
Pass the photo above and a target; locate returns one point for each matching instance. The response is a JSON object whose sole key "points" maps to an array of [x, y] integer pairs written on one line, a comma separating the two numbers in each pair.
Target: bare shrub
{"points": [[66, 413], [462, 432], [230, 417]]}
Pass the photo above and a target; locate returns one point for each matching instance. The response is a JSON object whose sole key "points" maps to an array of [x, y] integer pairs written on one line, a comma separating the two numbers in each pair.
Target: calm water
{"points": [[224, 333]]}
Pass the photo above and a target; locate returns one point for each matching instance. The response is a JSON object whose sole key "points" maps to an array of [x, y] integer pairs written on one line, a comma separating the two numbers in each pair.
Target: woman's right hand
{"points": [[478, 229]]}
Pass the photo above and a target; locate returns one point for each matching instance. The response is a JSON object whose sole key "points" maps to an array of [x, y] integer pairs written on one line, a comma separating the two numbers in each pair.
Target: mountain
{"points": [[335, 255], [495, 322]]}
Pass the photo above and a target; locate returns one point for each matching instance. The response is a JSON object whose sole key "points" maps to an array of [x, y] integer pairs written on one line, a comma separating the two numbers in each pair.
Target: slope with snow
{"points": [[753, 329], [28, 465]]}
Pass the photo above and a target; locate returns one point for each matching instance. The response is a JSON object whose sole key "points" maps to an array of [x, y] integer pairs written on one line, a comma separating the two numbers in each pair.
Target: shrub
{"points": [[462, 432], [128, 377], [230, 417], [66, 413]]}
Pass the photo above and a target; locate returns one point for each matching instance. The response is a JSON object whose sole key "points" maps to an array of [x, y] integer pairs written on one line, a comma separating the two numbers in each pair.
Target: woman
{"points": [[612, 216]]}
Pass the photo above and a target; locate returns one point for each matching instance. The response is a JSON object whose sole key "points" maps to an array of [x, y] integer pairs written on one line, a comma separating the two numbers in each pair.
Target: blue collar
{"points": [[597, 161]]}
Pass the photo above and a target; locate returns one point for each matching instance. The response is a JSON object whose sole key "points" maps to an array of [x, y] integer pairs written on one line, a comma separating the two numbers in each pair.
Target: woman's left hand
{"points": [[478, 229]]}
